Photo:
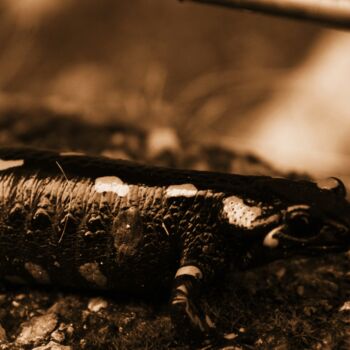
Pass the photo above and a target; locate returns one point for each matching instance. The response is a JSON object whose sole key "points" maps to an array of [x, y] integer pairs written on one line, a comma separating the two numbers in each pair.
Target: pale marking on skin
{"points": [[184, 190], [179, 299], [183, 289], [269, 240], [71, 154], [7, 164], [37, 272], [92, 273], [194, 318], [296, 207], [189, 270], [239, 213], [111, 184]]}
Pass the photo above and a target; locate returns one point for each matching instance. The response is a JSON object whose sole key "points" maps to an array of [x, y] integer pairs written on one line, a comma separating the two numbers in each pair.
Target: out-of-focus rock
{"points": [[163, 145], [53, 346], [3, 337], [58, 336], [37, 329], [96, 304]]}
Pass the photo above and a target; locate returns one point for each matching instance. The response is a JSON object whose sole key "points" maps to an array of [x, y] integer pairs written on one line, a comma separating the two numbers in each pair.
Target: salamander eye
{"points": [[300, 224]]}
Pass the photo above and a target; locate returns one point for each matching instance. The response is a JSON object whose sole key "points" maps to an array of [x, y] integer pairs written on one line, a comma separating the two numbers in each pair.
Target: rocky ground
{"points": [[294, 304]]}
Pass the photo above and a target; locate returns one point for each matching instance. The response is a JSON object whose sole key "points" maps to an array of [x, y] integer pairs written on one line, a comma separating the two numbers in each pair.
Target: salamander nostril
{"points": [[333, 184]]}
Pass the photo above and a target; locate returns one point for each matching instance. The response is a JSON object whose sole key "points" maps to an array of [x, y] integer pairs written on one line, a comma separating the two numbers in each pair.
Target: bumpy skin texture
{"points": [[132, 242], [88, 222]]}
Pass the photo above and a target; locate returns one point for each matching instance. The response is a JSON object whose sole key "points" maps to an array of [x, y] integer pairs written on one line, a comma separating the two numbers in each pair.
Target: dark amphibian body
{"points": [[87, 222]]}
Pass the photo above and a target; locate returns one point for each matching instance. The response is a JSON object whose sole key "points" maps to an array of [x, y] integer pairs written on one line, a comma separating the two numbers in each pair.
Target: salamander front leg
{"points": [[188, 317]]}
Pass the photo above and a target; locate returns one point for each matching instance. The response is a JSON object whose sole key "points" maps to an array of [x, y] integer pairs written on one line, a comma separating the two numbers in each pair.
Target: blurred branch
{"points": [[334, 13]]}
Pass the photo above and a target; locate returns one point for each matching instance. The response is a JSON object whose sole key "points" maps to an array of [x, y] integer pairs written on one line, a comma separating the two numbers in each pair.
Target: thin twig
{"points": [[69, 205], [335, 13]]}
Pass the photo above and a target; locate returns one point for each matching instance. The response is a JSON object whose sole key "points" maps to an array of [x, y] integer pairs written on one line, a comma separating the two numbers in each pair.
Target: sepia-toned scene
{"points": [[174, 174]]}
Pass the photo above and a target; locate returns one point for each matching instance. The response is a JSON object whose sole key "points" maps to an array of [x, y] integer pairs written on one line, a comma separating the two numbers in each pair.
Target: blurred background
{"points": [[274, 87]]}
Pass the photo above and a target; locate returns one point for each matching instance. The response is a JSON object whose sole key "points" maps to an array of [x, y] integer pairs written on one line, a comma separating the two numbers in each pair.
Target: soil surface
{"points": [[294, 304]]}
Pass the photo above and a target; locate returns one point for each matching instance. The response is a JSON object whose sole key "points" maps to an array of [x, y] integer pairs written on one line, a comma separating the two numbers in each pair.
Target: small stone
{"points": [[230, 336], [70, 329], [300, 290], [37, 329], [345, 306], [96, 304], [92, 273], [62, 326], [15, 303], [57, 336], [82, 343], [281, 272], [3, 337], [20, 296], [53, 346], [37, 272]]}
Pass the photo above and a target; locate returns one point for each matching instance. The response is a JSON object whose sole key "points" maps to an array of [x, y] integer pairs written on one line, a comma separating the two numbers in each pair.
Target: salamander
{"points": [[75, 220]]}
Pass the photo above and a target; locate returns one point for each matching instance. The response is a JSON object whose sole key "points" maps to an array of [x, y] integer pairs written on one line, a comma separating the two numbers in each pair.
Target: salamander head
{"points": [[287, 218]]}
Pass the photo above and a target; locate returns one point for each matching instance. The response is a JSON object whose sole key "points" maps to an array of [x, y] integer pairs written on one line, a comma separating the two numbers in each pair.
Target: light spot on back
{"points": [[37, 272], [271, 241], [240, 214], [7, 164], [189, 270], [92, 273], [298, 207], [184, 190], [111, 184], [71, 154]]}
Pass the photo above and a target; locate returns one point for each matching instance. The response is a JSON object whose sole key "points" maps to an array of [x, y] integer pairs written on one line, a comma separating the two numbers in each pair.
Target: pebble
{"points": [[57, 336], [37, 329], [3, 337], [53, 346], [96, 304], [230, 336], [15, 303], [345, 306], [70, 329], [300, 290], [2, 298]]}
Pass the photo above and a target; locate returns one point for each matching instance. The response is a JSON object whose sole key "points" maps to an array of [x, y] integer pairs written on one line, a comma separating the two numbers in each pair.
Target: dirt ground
{"points": [[294, 304]]}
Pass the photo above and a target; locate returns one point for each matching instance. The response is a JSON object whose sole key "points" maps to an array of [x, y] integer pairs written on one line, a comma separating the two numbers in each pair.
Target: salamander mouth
{"points": [[329, 238]]}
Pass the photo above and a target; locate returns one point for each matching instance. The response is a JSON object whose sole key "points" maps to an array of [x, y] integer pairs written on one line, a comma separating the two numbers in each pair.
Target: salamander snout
{"points": [[305, 231]]}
